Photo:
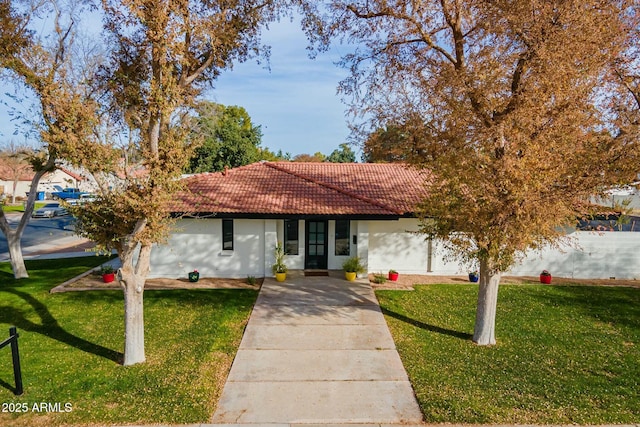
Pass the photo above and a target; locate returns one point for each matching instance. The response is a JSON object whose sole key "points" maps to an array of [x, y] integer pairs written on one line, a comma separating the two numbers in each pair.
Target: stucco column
{"points": [[362, 248], [270, 241]]}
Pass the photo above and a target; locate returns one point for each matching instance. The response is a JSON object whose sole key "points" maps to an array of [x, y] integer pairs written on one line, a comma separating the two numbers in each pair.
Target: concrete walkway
{"points": [[317, 350]]}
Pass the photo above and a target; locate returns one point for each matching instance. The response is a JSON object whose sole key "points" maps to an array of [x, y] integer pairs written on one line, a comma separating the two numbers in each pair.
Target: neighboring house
{"points": [[323, 213], [50, 182], [64, 178], [9, 187]]}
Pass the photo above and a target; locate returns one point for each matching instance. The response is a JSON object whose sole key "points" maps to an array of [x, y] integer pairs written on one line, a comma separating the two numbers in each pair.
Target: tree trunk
{"points": [[14, 236], [13, 193], [15, 254], [132, 278], [485, 328]]}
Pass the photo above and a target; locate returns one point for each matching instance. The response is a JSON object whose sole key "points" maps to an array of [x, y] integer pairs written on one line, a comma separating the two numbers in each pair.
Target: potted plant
{"points": [[545, 277], [352, 267], [194, 276], [474, 276], [279, 268], [393, 275], [108, 273]]}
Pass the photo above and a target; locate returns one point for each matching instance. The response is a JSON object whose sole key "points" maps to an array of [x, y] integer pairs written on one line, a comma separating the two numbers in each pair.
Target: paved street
{"points": [[42, 234]]}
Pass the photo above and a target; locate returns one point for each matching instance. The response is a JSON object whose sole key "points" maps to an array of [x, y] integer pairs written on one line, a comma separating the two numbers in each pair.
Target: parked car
{"points": [[67, 193], [49, 211], [84, 198]]}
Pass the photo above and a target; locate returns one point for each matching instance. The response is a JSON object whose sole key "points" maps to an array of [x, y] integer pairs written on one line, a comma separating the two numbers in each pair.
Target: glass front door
{"points": [[316, 245]]}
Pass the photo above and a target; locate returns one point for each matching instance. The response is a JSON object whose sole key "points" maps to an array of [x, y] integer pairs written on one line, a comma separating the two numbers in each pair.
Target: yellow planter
{"points": [[350, 276], [281, 277]]}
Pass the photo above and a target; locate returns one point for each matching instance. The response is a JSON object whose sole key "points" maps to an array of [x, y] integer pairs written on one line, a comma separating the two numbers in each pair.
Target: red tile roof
{"points": [[7, 173], [71, 174], [291, 188]]}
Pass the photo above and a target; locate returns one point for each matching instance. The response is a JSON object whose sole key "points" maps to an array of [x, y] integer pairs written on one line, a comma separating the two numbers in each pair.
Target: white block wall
{"points": [[382, 245], [590, 256]]}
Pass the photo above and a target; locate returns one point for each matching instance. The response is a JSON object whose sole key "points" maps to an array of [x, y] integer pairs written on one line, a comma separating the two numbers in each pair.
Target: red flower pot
{"points": [[546, 279], [393, 277], [109, 277]]}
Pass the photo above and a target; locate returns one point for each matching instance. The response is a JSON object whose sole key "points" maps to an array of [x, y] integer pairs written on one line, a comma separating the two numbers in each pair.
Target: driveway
{"points": [[317, 350]]}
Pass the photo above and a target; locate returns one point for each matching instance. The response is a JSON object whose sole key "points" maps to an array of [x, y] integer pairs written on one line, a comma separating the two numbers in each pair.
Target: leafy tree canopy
{"points": [[344, 154], [317, 157], [392, 143], [229, 138]]}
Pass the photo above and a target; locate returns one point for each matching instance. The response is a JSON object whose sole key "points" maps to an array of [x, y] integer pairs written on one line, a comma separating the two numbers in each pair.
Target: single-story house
{"points": [[323, 213], [52, 181], [9, 185], [64, 177]]}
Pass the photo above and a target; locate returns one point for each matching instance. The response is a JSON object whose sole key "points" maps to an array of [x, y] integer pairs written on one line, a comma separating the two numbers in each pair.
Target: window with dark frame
{"points": [[291, 236], [342, 237], [227, 234]]}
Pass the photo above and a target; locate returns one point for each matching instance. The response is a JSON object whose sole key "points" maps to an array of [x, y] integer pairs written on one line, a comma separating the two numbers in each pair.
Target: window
{"points": [[227, 234], [291, 236], [342, 237]]}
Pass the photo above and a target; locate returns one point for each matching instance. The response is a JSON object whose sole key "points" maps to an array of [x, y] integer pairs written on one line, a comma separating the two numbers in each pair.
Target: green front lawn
{"points": [[71, 345], [565, 354], [19, 208]]}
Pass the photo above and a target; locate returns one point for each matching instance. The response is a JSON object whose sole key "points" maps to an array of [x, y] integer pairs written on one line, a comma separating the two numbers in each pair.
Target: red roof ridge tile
{"points": [[334, 188], [71, 174]]}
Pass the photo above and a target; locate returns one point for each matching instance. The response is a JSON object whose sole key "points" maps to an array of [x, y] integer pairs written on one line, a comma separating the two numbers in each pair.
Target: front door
{"points": [[316, 253]]}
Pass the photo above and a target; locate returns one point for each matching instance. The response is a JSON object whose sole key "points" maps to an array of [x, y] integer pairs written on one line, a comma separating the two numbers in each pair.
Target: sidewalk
{"points": [[317, 350], [70, 246], [65, 247]]}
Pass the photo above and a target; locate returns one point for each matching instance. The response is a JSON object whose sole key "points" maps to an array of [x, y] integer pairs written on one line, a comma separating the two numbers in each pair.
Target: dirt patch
{"points": [[93, 281], [407, 281]]}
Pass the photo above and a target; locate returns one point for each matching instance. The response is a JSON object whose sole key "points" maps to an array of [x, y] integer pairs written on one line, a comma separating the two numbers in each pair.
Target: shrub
{"points": [[353, 265]]}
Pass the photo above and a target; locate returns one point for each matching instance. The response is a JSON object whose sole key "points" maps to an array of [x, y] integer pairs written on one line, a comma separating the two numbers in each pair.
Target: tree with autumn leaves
{"points": [[132, 131], [163, 53], [520, 109], [45, 64], [502, 101]]}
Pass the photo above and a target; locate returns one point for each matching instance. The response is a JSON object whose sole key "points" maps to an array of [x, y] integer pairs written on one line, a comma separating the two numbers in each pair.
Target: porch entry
{"points": [[317, 239]]}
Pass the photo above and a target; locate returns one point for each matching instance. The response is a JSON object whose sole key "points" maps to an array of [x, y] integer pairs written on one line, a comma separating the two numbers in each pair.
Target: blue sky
{"points": [[295, 102]]}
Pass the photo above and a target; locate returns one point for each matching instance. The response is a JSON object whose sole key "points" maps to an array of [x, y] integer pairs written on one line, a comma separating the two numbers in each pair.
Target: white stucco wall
{"points": [[395, 245], [382, 245], [590, 256], [197, 244]]}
